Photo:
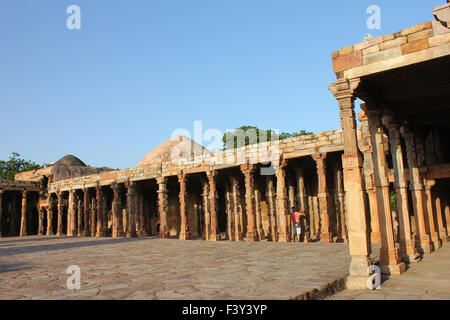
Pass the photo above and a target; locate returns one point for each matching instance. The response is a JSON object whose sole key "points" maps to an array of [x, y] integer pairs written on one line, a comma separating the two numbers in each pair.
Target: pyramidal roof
{"points": [[177, 147], [70, 161]]}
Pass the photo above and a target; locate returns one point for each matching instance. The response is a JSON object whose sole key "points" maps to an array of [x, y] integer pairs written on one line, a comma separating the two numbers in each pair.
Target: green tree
{"points": [[15, 164], [247, 135]]}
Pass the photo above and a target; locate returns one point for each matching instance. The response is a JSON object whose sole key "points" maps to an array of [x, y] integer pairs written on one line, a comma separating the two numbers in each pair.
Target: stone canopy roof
{"points": [[70, 161], [175, 148]]}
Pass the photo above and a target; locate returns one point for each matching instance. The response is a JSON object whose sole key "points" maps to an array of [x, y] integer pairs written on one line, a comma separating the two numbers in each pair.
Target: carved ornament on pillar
{"points": [[213, 198], [249, 174], [163, 207], [185, 234]]}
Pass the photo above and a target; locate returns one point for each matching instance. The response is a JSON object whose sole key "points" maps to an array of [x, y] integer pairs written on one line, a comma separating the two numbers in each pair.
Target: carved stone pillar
{"points": [[423, 243], [139, 216], [303, 201], [389, 257], [50, 215], [60, 204], [131, 209], [271, 208], [1, 213], [230, 212], [282, 205], [429, 212], [41, 227], [117, 227], [86, 201], [236, 195], [343, 90], [206, 202], [163, 207], [249, 175], [440, 221], [213, 196], [101, 232], [325, 234], [23, 220], [406, 247], [93, 223], [258, 215], [80, 212], [341, 204], [71, 215], [447, 213], [185, 233]]}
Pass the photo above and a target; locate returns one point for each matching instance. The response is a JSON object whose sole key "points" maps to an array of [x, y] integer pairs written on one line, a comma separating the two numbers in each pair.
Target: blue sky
{"points": [[138, 70]]}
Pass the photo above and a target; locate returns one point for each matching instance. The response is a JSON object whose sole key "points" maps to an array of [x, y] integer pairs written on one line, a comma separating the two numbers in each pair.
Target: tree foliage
{"points": [[247, 135], [15, 165]]}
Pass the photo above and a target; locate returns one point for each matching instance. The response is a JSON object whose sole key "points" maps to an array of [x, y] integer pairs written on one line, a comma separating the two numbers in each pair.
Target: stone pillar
{"points": [[271, 208], [369, 178], [93, 227], [407, 248], [59, 231], [447, 213], [71, 215], [163, 207], [230, 213], [41, 228], [440, 221], [429, 212], [423, 243], [325, 234], [236, 195], [139, 216], [205, 197], [117, 227], [249, 174], [1, 213], [185, 233], [389, 257], [23, 220], [258, 215], [80, 211], [340, 196], [131, 209], [212, 176], [50, 215], [282, 205], [100, 212], [343, 90], [303, 202], [86, 201]]}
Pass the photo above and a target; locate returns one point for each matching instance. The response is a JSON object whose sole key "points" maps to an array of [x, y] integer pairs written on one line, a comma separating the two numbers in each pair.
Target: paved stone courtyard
{"points": [[426, 280], [35, 268]]}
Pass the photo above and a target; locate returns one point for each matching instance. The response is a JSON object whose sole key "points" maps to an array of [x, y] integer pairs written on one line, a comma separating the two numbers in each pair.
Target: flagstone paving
{"points": [[426, 280], [150, 268]]}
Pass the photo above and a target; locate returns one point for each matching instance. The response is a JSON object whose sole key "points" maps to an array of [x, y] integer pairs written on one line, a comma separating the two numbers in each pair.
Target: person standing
{"points": [[296, 216]]}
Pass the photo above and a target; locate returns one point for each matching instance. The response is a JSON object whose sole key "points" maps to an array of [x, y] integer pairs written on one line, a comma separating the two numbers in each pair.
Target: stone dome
{"points": [[177, 147], [69, 161]]}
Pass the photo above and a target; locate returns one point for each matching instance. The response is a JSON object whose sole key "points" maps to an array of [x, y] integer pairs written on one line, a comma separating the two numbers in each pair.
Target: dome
{"points": [[70, 161], [175, 148]]}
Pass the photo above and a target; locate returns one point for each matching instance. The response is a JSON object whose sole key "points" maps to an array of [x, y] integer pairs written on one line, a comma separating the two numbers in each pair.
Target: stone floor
{"points": [[35, 268], [426, 280]]}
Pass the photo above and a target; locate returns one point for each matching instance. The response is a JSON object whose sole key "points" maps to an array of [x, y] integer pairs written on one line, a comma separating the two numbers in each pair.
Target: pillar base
{"points": [[251, 237], [356, 282], [164, 235], [185, 236], [436, 241], [326, 237], [283, 238], [443, 235], [131, 234], [393, 269], [141, 234], [410, 258], [50, 233], [213, 237], [423, 244]]}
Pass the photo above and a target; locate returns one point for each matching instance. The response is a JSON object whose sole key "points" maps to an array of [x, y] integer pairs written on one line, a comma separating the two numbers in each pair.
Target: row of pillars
{"points": [[23, 212], [428, 234]]}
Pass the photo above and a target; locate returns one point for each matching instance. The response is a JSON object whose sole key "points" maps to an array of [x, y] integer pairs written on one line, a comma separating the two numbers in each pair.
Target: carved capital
{"points": [[344, 88]]}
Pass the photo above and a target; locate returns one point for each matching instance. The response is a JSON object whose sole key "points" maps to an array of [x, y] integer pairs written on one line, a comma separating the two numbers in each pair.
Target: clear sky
{"points": [[140, 69]]}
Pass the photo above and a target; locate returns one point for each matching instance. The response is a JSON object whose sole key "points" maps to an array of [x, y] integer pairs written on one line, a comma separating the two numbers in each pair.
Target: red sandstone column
{"points": [[100, 212], [185, 234], [249, 170], [271, 208], [60, 204], [282, 206], [389, 258], [50, 214], [131, 209], [207, 219], [343, 90], [117, 227], [447, 213], [236, 208], [212, 176], [423, 243], [1, 212], [440, 220], [325, 234], [23, 221], [163, 207], [303, 200], [340, 196], [70, 215], [429, 212], [407, 248], [230, 213], [86, 201], [79, 216]]}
